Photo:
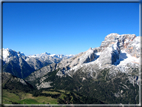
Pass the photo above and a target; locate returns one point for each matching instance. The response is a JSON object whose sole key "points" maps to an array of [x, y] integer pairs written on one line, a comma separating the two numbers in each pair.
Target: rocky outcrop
{"points": [[109, 55], [17, 66], [6, 77], [109, 39], [41, 72], [79, 59], [84, 57], [97, 49], [133, 47], [43, 85], [123, 40], [87, 56], [13, 83]]}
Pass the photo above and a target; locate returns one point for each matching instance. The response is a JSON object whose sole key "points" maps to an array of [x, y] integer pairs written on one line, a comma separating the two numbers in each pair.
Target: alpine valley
{"points": [[109, 74]]}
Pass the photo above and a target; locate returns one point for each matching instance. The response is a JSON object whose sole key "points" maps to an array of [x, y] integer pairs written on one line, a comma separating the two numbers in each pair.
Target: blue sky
{"points": [[65, 28]]}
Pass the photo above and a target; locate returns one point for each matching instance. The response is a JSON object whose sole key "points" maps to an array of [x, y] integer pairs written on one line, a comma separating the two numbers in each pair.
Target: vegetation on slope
{"points": [[75, 90]]}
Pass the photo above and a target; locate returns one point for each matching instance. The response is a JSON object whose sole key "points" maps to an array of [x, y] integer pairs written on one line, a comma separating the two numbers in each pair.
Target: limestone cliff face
{"points": [[109, 55], [133, 47], [113, 44], [123, 40], [128, 42]]}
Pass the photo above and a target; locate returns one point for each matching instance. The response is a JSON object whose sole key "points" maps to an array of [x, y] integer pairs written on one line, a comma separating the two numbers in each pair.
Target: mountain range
{"points": [[107, 74], [21, 65]]}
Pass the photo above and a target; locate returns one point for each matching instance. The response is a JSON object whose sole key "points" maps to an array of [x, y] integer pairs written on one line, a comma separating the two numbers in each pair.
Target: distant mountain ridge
{"points": [[20, 65]]}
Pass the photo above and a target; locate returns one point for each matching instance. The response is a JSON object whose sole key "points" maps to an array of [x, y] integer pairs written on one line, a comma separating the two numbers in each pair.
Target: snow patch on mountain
{"points": [[125, 58], [46, 55], [9, 54], [111, 54], [6, 54], [122, 64]]}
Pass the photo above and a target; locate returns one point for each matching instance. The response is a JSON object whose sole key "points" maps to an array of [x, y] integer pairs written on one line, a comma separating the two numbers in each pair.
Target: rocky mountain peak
{"points": [[113, 38], [9, 54], [87, 56], [133, 48], [125, 39], [46, 53], [90, 48]]}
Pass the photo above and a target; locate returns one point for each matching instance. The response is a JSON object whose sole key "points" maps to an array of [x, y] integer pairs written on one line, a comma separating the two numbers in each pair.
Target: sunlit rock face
{"points": [[109, 39], [109, 55], [114, 43], [133, 47], [123, 40]]}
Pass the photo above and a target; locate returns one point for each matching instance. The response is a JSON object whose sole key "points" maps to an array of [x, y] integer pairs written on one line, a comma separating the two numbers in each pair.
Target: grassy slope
{"points": [[45, 97], [27, 98]]}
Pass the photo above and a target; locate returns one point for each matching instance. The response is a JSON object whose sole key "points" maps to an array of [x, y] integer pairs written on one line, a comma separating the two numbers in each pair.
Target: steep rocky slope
{"points": [[11, 82]]}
